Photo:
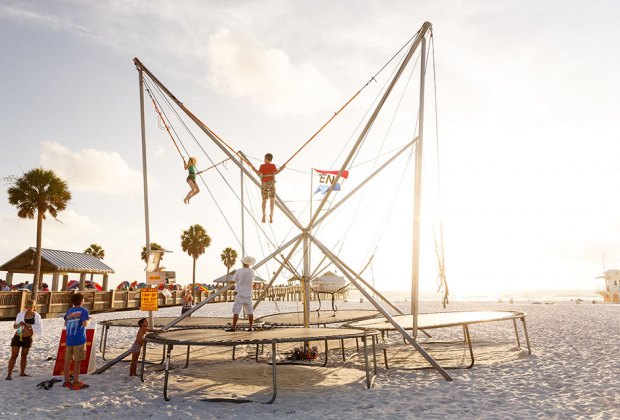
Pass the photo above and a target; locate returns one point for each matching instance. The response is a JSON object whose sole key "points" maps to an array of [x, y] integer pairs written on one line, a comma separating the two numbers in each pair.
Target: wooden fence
{"points": [[55, 304]]}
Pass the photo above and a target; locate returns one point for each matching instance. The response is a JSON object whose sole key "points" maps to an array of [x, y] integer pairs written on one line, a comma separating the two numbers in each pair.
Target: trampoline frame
{"points": [[466, 334], [364, 334], [103, 340]]}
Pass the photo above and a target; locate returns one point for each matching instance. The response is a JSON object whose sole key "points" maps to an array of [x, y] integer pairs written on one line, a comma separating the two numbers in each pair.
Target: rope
{"points": [[161, 118], [373, 78], [439, 247]]}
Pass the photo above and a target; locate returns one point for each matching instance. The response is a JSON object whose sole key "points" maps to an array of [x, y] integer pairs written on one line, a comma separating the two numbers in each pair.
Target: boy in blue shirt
{"points": [[76, 320]]}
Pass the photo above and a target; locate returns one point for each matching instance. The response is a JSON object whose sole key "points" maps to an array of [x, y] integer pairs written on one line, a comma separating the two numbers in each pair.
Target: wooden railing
{"points": [[55, 304]]}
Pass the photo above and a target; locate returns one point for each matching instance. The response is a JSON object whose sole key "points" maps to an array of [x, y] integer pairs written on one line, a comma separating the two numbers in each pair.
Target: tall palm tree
{"points": [[97, 252], [229, 258], [38, 192], [195, 241]]}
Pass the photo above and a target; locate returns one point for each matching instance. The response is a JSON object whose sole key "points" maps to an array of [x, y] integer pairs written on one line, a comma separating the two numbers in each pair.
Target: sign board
{"points": [[148, 299], [87, 365], [155, 277]]}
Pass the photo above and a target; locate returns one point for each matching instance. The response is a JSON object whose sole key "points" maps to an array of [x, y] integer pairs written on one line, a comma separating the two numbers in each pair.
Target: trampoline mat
{"points": [[205, 337], [295, 319], [438, 320], [189, 322]]}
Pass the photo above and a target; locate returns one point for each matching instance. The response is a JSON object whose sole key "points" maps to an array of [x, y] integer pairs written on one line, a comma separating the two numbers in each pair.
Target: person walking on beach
{"points": [[188, 301], [77, 319], [244, 281], [28, 325], [190, 166], [267, 173], [136, 348]]}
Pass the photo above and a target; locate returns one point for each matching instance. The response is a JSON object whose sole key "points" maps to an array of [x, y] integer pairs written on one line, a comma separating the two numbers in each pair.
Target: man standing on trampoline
{"points": [[244, 281]]}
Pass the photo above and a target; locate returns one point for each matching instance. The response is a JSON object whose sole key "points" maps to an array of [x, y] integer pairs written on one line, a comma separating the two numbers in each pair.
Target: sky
{"points": [[520, 132]]}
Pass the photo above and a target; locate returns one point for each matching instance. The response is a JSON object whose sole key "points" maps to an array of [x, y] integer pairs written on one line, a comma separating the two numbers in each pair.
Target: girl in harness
{"points": [[190, 166]]}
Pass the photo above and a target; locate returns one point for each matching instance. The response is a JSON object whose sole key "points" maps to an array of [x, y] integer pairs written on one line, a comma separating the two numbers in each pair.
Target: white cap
{"points": [[247, 260]]}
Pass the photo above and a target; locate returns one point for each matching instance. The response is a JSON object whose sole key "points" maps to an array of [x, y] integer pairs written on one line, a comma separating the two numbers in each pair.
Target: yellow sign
{"points": [[148, 299]]}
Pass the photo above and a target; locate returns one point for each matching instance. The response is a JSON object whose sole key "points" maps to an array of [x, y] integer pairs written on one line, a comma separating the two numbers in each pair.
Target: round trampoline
{"points": [[159, 322], [296, 319], [445, 320], [212, 337]]}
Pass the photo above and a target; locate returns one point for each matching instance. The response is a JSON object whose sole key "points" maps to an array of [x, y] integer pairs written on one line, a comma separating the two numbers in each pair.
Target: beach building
{"points": [[611, 290], [58, 263]]}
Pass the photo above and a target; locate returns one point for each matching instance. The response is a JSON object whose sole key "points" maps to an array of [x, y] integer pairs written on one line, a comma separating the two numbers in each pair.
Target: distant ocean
{"points": [[515, 295]]}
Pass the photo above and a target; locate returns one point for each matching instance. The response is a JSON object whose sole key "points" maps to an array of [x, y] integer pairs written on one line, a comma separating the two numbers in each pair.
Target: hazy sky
{"points": [[527, 99]]}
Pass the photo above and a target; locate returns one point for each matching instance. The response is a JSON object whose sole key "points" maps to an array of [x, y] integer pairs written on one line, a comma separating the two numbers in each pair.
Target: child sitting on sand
{"points": [[136, 348], [190, 166]]}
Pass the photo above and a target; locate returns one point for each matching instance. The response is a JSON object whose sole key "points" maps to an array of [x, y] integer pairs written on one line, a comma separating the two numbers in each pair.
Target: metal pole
{"points": [[306, 281], [415, 269], [144, 176], [242, 217]]}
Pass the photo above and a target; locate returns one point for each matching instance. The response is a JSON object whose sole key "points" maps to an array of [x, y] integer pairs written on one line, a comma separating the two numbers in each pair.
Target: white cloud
{"points": [[47, 20], [91, 170], [241, 67]]}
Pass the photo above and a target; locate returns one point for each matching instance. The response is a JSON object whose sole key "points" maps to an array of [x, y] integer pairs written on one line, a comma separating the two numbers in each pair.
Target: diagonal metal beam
{"points": [[371, 176], [338, 263], [365, 283], [279, 270], [215, 138], [421, 34]]}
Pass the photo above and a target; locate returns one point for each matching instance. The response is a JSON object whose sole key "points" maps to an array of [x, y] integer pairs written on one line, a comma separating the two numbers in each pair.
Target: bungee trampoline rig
{"points": [[208, 332]]}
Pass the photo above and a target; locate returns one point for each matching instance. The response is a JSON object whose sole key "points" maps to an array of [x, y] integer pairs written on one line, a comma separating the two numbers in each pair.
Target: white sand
{"points": [[574, 372]]}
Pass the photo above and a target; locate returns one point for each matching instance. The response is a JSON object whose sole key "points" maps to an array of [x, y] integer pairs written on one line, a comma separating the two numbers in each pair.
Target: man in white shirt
{"points": [[244, 281]]}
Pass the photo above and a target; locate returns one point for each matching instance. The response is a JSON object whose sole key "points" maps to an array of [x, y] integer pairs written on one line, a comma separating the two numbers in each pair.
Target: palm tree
{"points": [[97, 252], [38, 192], [154, 247], [195, 241], [229, 258]]}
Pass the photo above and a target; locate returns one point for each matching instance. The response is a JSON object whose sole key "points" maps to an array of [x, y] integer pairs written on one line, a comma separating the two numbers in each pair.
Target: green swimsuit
{"points": [[192, 173]]}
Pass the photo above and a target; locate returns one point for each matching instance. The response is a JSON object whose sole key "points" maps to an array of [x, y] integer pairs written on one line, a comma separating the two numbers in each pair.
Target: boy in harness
{"points": [[267, 173]]}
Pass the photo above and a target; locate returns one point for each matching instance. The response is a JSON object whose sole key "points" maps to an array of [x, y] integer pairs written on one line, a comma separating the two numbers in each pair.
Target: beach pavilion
{"points": [[58, 263]]}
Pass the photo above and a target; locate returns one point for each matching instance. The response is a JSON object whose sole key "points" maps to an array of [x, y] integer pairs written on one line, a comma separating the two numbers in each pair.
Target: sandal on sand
{"points": [[9, 378], [79, 385], [23, 374], [230, 330], [66, 385]]}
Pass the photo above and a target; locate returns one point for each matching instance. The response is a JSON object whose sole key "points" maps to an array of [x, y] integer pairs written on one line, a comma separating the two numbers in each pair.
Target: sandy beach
{"points": [[572, 373]]}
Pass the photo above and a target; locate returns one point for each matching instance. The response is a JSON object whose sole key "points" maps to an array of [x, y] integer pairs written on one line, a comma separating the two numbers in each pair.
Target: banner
{"points": [[87, 365], [148, 299], [327, 178]]}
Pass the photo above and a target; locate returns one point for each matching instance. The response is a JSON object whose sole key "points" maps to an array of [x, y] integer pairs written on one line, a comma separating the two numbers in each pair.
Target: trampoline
{"points": [[273, 337], [445, 320], [159, 322], [296, 319]]}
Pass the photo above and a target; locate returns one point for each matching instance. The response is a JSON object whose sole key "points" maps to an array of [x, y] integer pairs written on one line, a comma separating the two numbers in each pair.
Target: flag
{"points": [[327, 178]]}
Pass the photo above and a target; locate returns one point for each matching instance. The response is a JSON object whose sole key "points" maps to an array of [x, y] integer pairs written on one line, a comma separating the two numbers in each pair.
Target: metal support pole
{"points": [[415, 269], [306, 281], [242, 216], [144, 174]]}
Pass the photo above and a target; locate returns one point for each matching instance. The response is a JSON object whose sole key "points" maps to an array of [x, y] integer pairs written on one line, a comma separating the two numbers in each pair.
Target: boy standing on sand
{"points": [[267, 173], [76, 320], [136, 348]]}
